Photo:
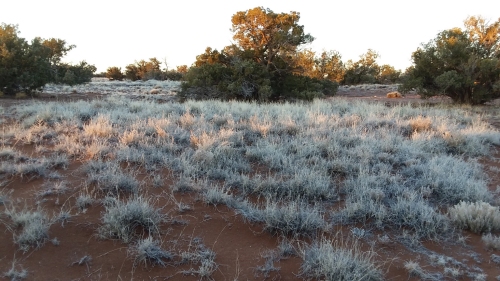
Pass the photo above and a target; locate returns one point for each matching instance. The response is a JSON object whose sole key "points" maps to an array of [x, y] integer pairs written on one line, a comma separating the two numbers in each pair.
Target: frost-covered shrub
{"points": [[478, 217]]}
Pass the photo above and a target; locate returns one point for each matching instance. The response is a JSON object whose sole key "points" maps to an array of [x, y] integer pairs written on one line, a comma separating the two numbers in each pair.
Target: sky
{"points": [[117, 33]]}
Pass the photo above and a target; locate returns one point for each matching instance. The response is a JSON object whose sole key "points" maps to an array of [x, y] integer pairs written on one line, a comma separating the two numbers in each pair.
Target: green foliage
{"points": [[388, 75], [270, 35], [144, 70], [23, 66], [173, 75], [26, 67], [329, 65], [114, 73], [304, 87], [75, 74], [263, 65], [461, 64], [210, 57], [132, 72], [363, 71]]}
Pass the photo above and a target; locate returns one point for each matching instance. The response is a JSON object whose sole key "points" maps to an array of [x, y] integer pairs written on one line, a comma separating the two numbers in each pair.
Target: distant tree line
{"points": [[28, 66], [145, 70], [268, 61]]}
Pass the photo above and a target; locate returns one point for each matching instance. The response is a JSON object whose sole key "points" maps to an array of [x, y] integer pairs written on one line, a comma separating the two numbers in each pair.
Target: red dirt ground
{"points": [[239, 245]]}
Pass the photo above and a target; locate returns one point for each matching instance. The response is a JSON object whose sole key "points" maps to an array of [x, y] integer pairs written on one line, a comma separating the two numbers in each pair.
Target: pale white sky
{"points": [[117, 33]]}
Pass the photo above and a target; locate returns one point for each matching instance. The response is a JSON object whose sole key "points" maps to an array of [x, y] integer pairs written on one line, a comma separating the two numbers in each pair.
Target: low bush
{"points": [[114, 73], [491, 241], [479, 217]]}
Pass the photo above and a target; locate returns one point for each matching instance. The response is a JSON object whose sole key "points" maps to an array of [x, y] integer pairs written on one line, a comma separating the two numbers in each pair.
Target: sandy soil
{"points": [[241, 248]]}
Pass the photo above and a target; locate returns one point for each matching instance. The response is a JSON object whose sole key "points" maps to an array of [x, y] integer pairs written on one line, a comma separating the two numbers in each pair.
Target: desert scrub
{"points": [[30, 228], [479, 217], [491, 241], [99, 127], [198, 254], [15, 275], [327, 260], [149, 252], [293, 218], [412, 212], [124, 220], [110, 178]]}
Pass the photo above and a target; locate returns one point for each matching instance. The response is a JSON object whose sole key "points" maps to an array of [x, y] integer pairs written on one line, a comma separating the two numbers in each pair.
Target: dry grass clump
{"points": [[21, 95], [130, 219], [15, 275], [149, 252], [394, 95], [420, 124], [297, 219], [491, 241], [100, 127], [34, 227], [327, 260], [479, 217]]}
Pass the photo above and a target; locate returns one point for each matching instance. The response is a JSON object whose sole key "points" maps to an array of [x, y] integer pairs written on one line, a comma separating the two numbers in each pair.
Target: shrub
{"points": [[248, 80], [303, 87], [173, 75], [478, 217], [114, 73], [75, 74]]}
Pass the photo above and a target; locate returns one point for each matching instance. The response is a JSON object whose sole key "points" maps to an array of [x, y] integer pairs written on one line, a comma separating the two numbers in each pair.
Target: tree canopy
{"points": [[269, 35], [28, 66], [463, 64], [265, 62]]}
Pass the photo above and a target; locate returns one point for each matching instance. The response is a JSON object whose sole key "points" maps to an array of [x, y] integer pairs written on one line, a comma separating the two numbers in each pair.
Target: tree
{"points": [[132, 72], [365, 70], [182, 69], [303, 63], [114, 73], [269, 35], [75, 74], [23, 66], [263, 64], [329, 65], [29, 66], [144, 70], [210, 57], [388, 74], [463, 64]]}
